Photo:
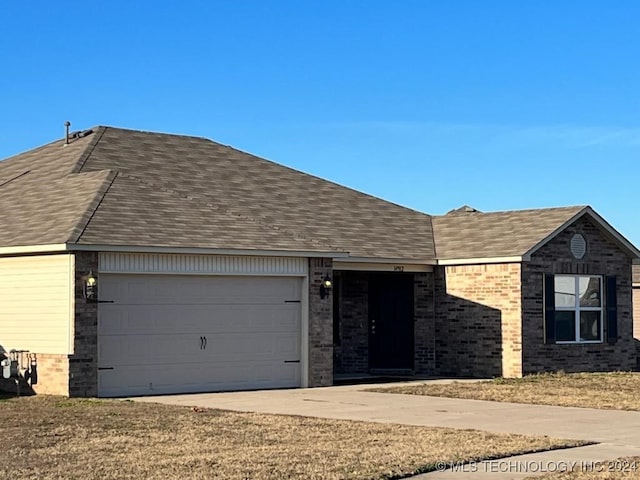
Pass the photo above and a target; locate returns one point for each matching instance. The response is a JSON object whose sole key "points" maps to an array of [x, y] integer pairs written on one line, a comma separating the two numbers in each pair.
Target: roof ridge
{"points": [[433, 237], [228, 211], [82, 160], [154, 132], [87, 215], [271, 162], [500, 234], [452, 213], [317, 177]]}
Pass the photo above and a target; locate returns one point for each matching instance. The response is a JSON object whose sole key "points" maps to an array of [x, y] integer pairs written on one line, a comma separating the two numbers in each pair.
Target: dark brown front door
{"points": [[391, 322]]}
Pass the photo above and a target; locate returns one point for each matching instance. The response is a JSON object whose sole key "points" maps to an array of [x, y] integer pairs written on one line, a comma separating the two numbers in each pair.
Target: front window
{"points": [[578, 308]]}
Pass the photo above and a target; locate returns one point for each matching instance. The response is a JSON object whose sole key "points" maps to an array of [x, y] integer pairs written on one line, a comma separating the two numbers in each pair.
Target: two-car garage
{"points": [[164, 329]]}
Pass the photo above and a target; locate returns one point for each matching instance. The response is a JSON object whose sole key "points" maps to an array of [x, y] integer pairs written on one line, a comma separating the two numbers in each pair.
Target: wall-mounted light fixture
{"points": [[325, 286], [91, 287]]}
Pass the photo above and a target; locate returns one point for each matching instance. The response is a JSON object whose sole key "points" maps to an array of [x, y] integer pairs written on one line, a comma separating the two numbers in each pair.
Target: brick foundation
{"points": [[53, 377], [53, 374]]}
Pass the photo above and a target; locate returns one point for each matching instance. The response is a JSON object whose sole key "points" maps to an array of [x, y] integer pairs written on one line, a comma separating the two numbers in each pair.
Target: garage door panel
{"points": [[197, 319], [196, 377], [190, 290], [150, 336], [122, 350], [257, 346]]}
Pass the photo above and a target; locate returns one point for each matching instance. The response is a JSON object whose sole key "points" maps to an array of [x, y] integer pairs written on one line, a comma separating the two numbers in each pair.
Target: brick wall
{"points": [[478, 320], [53, 377], [352, 353], [636, 312], [83, 364], [425, 326], [636, 324], [53, 374], [602, 257], [320, 325]]}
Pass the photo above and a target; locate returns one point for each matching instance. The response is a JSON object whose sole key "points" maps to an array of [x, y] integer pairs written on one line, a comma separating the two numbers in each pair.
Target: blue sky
{"points": [[430, 104]]}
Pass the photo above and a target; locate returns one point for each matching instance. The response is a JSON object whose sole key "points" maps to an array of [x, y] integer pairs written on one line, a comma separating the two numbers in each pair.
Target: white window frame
{"points": [[576, 308]]}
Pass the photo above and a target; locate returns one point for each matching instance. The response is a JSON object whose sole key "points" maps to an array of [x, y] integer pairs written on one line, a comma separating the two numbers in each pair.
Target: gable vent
{"points": [[578, 246]]}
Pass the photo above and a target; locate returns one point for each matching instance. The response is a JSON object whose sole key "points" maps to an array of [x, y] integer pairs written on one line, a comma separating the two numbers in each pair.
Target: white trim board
{"points": [[390, 260], [381, 267], [31, 249]]}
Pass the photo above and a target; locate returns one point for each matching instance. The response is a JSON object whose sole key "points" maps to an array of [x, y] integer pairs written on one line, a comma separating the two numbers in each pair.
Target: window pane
{"points": [[589, 291], [565, 326], [590, 326], [565, 291]]}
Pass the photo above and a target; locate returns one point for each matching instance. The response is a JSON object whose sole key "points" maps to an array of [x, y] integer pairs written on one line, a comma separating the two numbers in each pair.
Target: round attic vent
{"points": [[578, 246]]}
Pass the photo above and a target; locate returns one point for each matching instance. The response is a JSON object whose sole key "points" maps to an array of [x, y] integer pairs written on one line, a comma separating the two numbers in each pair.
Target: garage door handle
{"points": [[292, 361], [205, 342], [201, 342], [105, 368]]}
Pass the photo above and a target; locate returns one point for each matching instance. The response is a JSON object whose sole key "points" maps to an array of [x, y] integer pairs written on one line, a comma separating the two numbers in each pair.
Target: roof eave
{"points": [[394, 260], [206, 251], [75, 247], [33, 249]]}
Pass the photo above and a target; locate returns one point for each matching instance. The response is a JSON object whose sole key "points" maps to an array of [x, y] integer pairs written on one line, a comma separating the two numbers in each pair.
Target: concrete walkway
{"points": [[617, 431]]}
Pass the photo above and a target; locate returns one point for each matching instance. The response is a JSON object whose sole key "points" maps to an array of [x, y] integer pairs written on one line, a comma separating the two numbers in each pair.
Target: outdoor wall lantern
{"points": [[91, 287], [325, 286]]}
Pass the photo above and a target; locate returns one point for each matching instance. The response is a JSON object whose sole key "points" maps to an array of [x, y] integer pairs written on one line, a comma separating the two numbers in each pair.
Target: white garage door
{"points": [[178, 333]]}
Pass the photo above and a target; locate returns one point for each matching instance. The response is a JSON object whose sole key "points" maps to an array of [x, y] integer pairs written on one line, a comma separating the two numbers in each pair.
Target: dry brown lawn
{"points": [[615, 391], [55, 438], [627, 468]]}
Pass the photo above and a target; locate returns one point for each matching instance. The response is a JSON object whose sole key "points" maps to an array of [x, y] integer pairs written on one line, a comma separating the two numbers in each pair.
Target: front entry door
{"points": [[391, 322]]}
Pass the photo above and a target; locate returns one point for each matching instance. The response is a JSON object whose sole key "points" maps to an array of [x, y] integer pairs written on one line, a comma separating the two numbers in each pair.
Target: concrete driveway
{"points": [[617, 431]]}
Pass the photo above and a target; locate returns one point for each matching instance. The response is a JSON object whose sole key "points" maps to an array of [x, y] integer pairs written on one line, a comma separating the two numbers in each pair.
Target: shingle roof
{"points": [[466, 233], [131, 188], [37, 209], [171, 190]]}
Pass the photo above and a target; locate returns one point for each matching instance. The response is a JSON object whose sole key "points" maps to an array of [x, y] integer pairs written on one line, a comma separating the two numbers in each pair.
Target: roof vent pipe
{"points": [[67, 124]]}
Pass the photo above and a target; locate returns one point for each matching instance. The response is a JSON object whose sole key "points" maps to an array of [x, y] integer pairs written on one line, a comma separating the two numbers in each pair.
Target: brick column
{"points": [[320, 325], [83, 364], [424, 324]]}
